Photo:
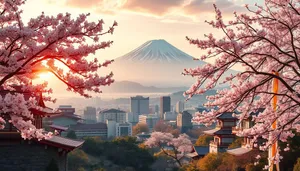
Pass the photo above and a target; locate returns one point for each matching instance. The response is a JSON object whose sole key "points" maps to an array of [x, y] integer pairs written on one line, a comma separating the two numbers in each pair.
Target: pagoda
{"points": [[247, 144], [33, 154], [223, 136]]}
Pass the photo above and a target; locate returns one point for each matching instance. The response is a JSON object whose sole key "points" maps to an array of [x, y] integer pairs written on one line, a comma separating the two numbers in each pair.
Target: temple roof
{"points": [[239, 151], [62, 142], [226, 115], [218, 132], [210, 132]]}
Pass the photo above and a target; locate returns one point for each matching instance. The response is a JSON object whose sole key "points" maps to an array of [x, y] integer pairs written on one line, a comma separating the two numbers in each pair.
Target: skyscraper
{"points": [[139, 105], [179, 106], [165, 105]]}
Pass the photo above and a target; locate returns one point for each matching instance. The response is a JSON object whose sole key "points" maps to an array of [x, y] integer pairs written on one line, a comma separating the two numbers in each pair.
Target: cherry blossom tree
{"points": [[176, 148], [265, 44], [56, 44]]}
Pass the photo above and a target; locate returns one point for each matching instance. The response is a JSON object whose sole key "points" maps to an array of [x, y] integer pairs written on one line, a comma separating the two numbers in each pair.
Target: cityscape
{"points": [[149, 85]]}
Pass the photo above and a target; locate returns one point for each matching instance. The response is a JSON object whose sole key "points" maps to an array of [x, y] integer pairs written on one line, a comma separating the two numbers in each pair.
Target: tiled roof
{"points": [[58, 140], [59, 127], [210, 132], [223, 132], [226, 115], [77, 117], [201, 150], [112, 111], [81, 126], [239, 151], [218, 132]]}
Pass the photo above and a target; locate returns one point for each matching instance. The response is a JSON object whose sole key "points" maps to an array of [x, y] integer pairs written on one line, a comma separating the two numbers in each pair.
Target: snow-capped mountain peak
{"points": [[156, 51]]}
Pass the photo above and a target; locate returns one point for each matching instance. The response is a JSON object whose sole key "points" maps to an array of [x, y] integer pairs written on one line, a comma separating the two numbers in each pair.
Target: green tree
{"points": [[204, 140], [52, 166], [236, 143], [209, 163], [77, 159], [71, 134]]}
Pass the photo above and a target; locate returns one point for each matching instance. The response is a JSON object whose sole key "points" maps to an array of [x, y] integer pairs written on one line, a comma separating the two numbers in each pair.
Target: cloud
{"points": [[156, 7], [203, 6], [84, 3]]}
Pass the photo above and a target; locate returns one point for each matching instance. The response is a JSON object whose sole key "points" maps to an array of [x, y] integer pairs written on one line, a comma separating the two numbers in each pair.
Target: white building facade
{"points": [[112, 114]]}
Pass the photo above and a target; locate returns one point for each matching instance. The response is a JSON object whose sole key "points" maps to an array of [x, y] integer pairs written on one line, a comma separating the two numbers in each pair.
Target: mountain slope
{"points": [[156, 51]]}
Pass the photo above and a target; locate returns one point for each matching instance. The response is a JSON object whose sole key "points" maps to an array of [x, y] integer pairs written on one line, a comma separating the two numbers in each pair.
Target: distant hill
{"points": [[133, 87]]}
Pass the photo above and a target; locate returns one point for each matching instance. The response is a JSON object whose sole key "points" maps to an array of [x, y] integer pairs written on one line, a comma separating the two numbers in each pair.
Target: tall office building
{"points": [[165, 105], [90, 115], [179, 106], [139, 105]]}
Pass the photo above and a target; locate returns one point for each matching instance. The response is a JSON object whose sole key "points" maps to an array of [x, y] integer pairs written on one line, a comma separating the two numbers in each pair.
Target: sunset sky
{"points": [[143, 20]]}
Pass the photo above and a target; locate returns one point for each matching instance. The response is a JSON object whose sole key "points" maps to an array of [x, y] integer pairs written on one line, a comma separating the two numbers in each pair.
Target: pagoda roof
{"points": [[239, 151], [226, 115], [210, 132], [62, 142], [218, 132]]}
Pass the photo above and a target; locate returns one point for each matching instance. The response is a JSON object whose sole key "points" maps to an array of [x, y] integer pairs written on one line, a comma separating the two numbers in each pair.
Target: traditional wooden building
{"points": [[33, 155], [223, 136], [198, 152], [247, 144]]}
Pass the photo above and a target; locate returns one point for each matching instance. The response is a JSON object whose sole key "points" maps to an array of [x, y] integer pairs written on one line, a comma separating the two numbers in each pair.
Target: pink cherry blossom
{"points": [[180, 146], [56, 44], [262, 42]]}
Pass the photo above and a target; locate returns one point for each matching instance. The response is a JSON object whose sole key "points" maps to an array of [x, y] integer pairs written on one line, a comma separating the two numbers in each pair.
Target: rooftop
{"points": [[59, 127], [82, 126], [239, 151], [63, 142], [112, 111], [201, 150], [226, 115]]}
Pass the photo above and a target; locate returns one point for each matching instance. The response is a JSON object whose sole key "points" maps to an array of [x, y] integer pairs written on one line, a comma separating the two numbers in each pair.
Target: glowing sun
{"points": [[45, 76]]}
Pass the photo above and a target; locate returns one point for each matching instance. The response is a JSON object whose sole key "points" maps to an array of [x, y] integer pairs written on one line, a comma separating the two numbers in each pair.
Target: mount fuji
{"points": [[156, 51], [155, 63]]}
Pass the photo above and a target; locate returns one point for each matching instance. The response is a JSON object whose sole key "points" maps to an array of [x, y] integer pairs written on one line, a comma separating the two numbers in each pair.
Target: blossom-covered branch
{"points": [[262, 43], [58, 44]]}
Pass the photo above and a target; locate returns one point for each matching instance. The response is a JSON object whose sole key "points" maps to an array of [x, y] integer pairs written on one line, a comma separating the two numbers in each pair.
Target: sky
{"points": [[143, 20]]}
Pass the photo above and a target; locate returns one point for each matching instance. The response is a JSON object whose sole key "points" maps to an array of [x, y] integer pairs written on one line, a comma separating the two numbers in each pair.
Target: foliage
{"points": [[139, 128], [265, 44], [290, 153], [71, 134], [236, 143], [51, 44], [128, 152], [210, 162], [189, 167], [195, 133], [204, 140], [52, 166], [176, 148], [161, 126], [76, 159], [297, 165]]}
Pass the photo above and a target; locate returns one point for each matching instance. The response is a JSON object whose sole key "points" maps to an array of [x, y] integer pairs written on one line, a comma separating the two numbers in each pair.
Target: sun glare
{"points": [[45, 76]]}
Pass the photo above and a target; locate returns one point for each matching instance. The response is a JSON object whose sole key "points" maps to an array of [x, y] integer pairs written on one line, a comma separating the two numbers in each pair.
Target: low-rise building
{"points": [[89, 130], [112, 114], [170, 116], [150, 120], [123, 129]]}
